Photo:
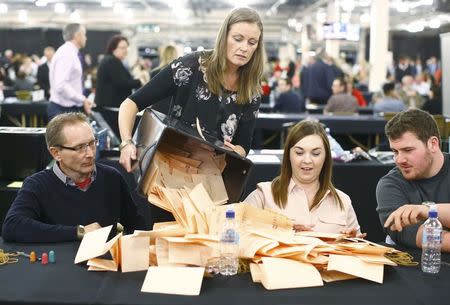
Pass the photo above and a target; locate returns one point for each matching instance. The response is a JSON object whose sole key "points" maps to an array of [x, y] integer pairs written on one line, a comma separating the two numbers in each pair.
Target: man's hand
{"points": [[92, 227], [406, 215]]}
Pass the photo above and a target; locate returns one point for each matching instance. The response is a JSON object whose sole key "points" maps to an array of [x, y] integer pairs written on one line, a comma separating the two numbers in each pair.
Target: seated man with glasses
{"points": [[54, 204]]}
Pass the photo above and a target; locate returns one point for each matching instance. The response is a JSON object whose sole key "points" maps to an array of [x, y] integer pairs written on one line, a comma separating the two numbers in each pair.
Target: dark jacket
{"points": [[114, 82], [43, 79]]}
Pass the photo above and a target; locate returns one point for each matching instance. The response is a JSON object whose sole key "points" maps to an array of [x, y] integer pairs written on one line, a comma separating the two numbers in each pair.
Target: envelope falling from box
{"points": [[129, 252]]}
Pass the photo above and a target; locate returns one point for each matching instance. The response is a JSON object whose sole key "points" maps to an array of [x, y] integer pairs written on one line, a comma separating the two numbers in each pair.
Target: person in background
{"points": [[341, 101], [66, 74], [390, 101], [43, 71], [54, 204], [303, 191], [288, 101], [167, 54], [422, 174], [217, 91], [355, 92], [408, 94], [114, 81]]}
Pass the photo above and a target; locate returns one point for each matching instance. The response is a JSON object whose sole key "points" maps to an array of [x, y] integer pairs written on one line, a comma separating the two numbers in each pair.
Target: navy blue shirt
{"points": [[48, 210]]}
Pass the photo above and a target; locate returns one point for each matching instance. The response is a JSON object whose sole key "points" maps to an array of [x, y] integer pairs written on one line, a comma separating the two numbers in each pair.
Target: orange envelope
{"points": [[357, 267], [174, 280], [282, 273]]}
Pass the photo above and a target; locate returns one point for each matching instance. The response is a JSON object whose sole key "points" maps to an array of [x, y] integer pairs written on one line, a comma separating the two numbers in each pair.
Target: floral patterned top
{"points": [[219, 116]]}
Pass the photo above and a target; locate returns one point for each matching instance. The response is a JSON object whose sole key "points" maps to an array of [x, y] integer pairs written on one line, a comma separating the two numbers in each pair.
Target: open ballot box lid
{"points": [[156, 130]]}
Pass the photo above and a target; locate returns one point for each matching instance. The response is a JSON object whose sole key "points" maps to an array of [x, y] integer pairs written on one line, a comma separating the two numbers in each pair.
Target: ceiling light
{"points": [[128, 13], [364, 3], [41, 3], [3, 8], [118, 8], [75, 16], [321, 16], [22, 15], [107, 3], [348, 5], [364, 18], [60, 8], [434, 24]]}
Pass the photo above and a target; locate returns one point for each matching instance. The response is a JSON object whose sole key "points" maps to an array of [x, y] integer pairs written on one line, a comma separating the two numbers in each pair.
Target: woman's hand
{"points": [[354, 233], [299, 228], [236, 148], [127, 155]]}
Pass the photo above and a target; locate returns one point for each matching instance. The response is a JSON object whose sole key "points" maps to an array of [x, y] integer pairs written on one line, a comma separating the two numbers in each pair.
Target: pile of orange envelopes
{"points": [[188, 183]]}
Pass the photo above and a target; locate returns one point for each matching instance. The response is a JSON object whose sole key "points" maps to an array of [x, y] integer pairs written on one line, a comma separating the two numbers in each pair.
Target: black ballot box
{"points": [[155, 129], [23, 152]]}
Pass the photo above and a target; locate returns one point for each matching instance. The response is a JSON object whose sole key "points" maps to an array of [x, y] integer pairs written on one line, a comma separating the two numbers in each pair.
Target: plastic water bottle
{"points": [[431, 243], [229, 246]]}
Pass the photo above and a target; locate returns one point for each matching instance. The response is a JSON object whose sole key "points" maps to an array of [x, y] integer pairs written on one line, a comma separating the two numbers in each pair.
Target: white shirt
{"points": [[327, 216], [66, 77]]}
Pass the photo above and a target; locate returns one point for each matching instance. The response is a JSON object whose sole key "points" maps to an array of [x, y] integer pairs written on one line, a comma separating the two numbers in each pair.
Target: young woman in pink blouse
{"points": [[304, 191]]}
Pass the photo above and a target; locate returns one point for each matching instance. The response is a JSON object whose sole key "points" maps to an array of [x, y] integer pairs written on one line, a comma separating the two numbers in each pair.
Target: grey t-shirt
{"points": [[393, 191]]}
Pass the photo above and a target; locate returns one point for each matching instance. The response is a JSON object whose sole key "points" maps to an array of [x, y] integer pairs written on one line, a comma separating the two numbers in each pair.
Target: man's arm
{"points": [[22, 222], [445, 239], [390, 198]]}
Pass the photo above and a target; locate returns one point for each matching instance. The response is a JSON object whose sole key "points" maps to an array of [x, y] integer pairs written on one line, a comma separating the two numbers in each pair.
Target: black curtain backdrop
{"points": [[33, 41]]}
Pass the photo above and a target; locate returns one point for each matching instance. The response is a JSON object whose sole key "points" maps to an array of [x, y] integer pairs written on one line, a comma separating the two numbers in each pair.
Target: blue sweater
{"points": [[48, 210]]}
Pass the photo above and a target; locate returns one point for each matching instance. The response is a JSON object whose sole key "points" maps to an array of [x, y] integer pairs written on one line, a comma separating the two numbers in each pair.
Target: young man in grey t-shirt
{"points": [[422, 174]]}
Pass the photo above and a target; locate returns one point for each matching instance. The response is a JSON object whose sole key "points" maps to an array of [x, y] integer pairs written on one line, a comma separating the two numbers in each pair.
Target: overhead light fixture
{"points": [[107, 3], [41, 3], [348, 5], [364, 18], [75, 16], [60, 8], [321, 16], [434, 24], [364, 3], [128, 13], [118, 8], [3, 8], [22, 16]]}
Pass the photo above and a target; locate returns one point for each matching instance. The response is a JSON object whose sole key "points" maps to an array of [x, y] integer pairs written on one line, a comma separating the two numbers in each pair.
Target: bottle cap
{"points": [[229, 214], [432, 213]]}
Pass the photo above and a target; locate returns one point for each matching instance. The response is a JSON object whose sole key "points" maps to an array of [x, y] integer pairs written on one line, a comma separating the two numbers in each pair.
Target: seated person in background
{"points": [[54, 204], [288, 101], [408, 94], [341, 101], [390, 102], [355, 92], [422, 174], [304, 191]]}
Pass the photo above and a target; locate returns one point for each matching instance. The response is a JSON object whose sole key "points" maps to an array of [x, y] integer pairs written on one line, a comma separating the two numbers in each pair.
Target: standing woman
{"points": [[114, 81], [221, 88]]}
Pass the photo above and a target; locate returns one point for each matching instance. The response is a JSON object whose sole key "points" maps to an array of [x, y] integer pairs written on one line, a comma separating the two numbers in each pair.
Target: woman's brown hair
{"points": [[250, 75], [280, 184]]}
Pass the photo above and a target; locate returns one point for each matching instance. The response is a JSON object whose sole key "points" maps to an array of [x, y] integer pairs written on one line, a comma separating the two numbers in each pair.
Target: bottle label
{"points": [[431, 236], [230, 236]]}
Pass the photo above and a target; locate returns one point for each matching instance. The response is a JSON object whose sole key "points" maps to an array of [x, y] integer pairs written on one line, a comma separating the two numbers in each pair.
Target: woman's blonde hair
{"points": [[167, 54], [280, 184], [250, 75]]}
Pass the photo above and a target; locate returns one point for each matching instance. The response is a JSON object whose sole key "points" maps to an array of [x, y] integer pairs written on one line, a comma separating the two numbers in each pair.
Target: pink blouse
{"points": [[327, 216]]}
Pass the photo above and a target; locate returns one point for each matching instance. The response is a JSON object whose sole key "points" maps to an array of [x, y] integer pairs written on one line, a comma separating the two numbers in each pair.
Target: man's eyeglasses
{"points": [[82, 148]]}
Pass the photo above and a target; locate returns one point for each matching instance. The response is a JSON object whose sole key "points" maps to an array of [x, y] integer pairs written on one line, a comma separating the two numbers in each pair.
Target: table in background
{"points": [[338, 124], [66, 283], [357, 179], [31, 114]]}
